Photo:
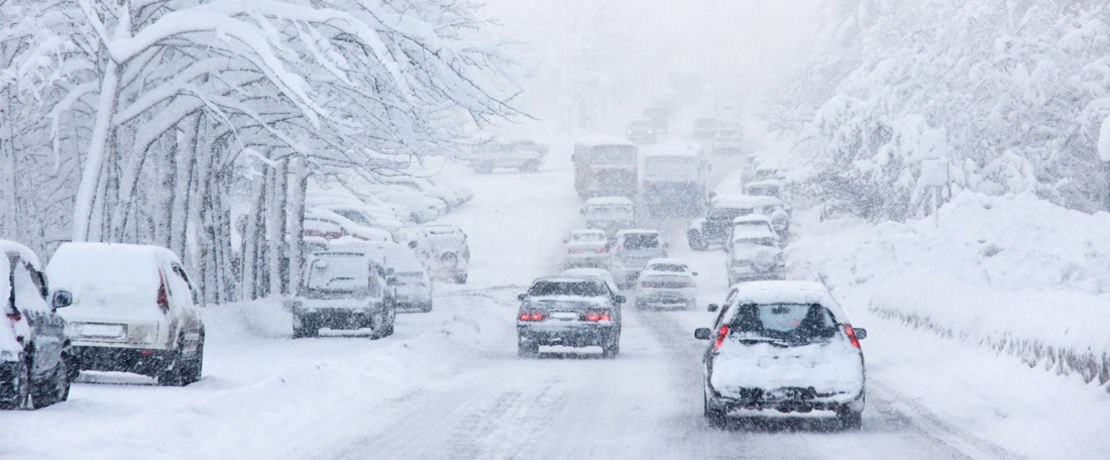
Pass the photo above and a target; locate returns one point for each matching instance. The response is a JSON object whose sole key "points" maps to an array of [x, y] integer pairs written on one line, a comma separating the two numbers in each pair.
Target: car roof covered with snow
{"points": [[665, 260], [588, 231], [751, 218], [609, 201], [787, 292], [752, 232], [672, 148], [602, 139], [636, 230]]}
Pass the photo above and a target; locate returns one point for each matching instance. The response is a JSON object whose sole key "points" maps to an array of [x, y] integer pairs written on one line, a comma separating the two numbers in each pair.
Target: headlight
{"points": [[142, 333]]}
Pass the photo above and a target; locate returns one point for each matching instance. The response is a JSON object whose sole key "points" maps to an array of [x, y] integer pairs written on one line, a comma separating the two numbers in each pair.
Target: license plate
{"points": [[102, 330], [564, 316]]}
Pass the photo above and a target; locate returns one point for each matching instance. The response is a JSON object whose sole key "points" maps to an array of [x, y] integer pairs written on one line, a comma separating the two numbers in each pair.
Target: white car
{"points": [[755, 254], [587, 248], [750, 222], [632, 251], [444, 250], [786, 346], [134, 310], [404, 274], [369, 216], [322, 223], [666, 283], [421, 207], [343, 289]]}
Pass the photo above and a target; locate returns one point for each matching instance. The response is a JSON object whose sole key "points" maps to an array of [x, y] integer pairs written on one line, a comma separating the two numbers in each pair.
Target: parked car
{"points": [[570, 312], [755, 254], [787, 346], [421, 207], [343, 289], [407, 278], [632, 250], [764, 188], [330, 225], [666, 283], [36, 363], [523, 155], [599, 274], [444, 250], [134, 310], [642, 132], [587, 248], [610, 214], [714, 228], [368, 216]]}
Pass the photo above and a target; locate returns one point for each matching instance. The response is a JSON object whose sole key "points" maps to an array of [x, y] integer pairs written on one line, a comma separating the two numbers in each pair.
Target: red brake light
{"points": [[15, 316], [163, 297], [646, 284], [574, 251], [851, 335], [595, 315], [597, 171], [531, 315], [721, 333]]}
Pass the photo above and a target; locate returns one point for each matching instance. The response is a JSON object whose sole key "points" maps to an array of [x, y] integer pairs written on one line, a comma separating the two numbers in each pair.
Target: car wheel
{"points": [[611, 349], [716, 418], [378, 326], [460, 279], [192, 371], [303, 327], [22, 392], [527, 349], [849, 419], [426, 307], [54, 390]]}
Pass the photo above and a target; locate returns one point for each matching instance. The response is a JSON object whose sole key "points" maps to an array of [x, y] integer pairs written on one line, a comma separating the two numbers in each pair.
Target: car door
{"points": [[185, 296]]}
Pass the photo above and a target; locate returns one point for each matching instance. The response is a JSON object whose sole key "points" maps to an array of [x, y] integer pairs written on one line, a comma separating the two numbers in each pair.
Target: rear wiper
{"points": [[775, 342]]}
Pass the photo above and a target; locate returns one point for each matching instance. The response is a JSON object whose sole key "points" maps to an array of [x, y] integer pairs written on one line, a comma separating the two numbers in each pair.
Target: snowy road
{"points": [[449, 383]]}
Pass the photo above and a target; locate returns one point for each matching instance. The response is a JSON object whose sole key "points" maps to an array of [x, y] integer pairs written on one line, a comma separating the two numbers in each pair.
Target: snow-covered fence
{"points": [[1059, 331]]}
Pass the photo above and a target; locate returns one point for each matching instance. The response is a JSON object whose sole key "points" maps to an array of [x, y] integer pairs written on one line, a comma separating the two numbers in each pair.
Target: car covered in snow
{"points": [[134, 309], [443, 248], [343, 289], [368, 216], [755, 254], [749, 223], [666, 283], [329, 225], [609, 213], [409, 281], [586, 248], [522, 155], [642, 132], [36, 364], [631, 252], [785, 346], [571, 312]]}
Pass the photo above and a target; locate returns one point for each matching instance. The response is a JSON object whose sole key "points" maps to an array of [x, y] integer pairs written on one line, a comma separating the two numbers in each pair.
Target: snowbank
{"points": [[1016, 274]]}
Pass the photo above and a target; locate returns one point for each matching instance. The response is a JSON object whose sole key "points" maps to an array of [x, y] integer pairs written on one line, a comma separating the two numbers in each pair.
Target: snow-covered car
{"points": [[331, 225], [345, 290], [666, 283], [727, 140], [714, 228], [570, 312], [609, 213], [755, 254], [631, 251], [408, 279], [642, 132], [787, 346], [134, 310], [421, 207], [453, 196], [443, 248], [523, 155], [705, 128], [599, 274], [367, 216], [586, 248], [36, 364], [749, 223]]}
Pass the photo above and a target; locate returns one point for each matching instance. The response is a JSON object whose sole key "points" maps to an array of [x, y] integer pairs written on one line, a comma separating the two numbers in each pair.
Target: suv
{"points": [[134, 310], [754, 254], [609, 214], [571, 312], [632, 250], [343, 289], [35, 359], [717, 223], [444, 250], [525, 156], [783, 345]]}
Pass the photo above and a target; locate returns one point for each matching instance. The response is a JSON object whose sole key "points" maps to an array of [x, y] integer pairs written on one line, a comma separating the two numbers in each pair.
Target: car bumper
{"points": [[335, 318], [572, 335], [145, 361], [786, 400]]}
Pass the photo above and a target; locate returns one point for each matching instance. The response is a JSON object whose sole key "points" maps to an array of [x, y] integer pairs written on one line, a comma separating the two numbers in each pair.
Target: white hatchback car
{"points": [[666, 283], [134, 310], [787, 346]]}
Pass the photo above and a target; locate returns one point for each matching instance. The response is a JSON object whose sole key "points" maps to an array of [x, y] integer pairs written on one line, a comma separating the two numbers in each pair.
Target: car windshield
{"points": [[354, 216], [728, 213], [793, 323], [588, 237], [641, 241], [587, 288], [679, 268]]}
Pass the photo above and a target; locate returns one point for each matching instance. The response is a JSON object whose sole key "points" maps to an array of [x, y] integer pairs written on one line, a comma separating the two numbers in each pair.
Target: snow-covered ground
{"points": [[449, 383]]}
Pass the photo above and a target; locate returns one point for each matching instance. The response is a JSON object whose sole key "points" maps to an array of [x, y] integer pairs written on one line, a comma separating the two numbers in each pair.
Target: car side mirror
{"points": [[521, 297], [693, 273], [62, 298], [712, 307], [703, 333], [620, 299], [861, 333]]}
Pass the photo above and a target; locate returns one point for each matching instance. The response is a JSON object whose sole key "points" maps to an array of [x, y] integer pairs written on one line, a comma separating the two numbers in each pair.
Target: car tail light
{"points": [[601, 251], [647, 284], [532, 315], [596, 171], [574, 251], [721, 333], [163, 298], [595, 315], [16, 316], [851, 335]]}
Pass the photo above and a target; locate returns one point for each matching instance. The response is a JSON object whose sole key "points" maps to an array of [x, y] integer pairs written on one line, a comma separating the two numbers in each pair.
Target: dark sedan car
{"points": [[569, 312]]}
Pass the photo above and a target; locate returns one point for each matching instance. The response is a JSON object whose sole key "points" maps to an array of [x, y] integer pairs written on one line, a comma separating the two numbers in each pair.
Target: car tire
{"points": [[307, 329], [378, 327], [23, 392], [460, 279], [527, 349], [716, 418], [171, 374], [530, 166], [612, 349], [849, 419], [427, 307], [193, 370], [53, 391]]}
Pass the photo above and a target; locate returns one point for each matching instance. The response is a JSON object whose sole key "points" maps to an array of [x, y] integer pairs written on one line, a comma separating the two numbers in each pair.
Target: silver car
{"points": [[631, 252], [586, 248]]}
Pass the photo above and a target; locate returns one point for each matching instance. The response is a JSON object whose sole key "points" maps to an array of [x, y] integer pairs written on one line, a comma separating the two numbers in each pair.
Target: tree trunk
{"points": [[275, 228], [252, 232], [295, 222], [98, 145]]}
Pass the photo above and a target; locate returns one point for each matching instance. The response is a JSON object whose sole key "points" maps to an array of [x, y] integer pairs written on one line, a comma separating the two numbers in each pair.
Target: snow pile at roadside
{"points": [[1016, 274]]}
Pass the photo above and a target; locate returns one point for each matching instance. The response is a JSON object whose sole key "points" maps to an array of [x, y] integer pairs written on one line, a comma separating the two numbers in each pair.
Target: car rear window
{"points": [[585, 237], [794, 323], [669, 268], [728, 213], [589, 288], [347, 273], [641, 241]]}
